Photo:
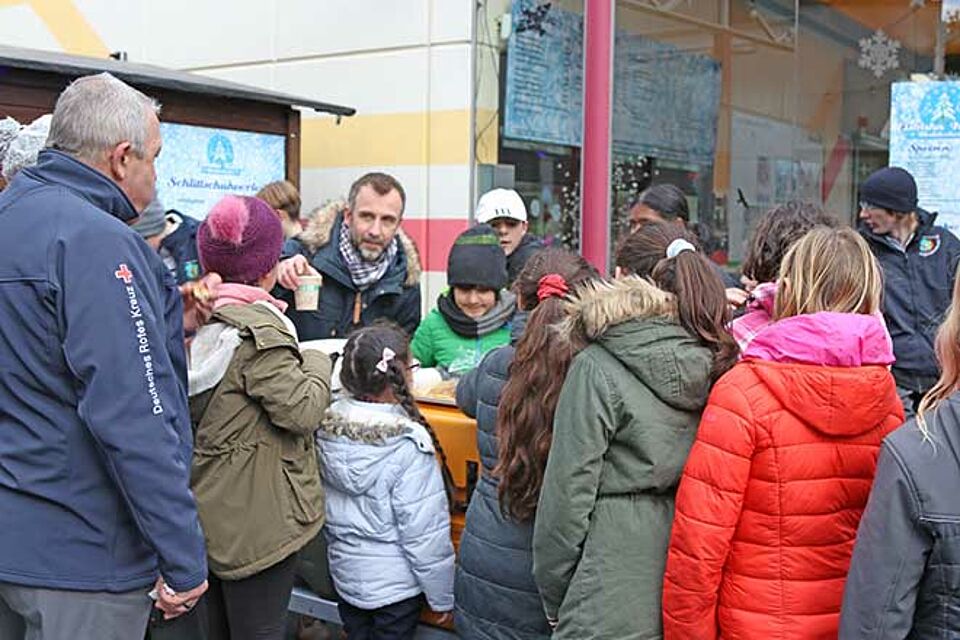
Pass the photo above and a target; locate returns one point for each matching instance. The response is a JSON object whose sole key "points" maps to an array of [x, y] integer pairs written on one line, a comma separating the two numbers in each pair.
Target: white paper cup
{"points": [[307, 295]]}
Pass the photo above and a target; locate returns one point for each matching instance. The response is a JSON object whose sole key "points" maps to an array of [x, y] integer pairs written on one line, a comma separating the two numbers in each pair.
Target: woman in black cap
{"points": [[474, 315]]}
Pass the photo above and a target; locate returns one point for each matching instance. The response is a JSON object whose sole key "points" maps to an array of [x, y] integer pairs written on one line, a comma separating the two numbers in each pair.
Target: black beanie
{"points": [[890, 188], [477, 260]]}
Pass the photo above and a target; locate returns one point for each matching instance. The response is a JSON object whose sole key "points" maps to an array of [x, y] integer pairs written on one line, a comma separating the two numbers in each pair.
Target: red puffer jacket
{"points": [[773, 490]]}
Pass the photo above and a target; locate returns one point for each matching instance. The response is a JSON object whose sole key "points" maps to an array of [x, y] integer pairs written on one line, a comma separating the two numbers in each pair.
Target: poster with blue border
{"points": [[200, 165], [925, 140], [665, 99]]}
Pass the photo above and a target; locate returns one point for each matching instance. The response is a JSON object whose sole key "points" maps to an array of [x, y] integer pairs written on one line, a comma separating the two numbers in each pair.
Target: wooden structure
{"points": [[31, 80]]}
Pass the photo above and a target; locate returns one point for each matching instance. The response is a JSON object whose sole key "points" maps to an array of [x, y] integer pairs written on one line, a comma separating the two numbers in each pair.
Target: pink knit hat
{"points": [[241, 239]]}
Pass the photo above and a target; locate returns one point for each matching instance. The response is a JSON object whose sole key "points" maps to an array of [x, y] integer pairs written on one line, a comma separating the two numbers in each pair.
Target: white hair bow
{"points": [[384, 364]]}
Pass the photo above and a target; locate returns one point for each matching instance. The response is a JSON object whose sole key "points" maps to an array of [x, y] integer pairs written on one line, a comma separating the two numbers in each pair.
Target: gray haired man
{"points": [[95, 435]]}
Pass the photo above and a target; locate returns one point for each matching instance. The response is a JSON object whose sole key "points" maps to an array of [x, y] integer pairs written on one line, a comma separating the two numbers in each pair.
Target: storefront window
{"points": [[741, 104]]}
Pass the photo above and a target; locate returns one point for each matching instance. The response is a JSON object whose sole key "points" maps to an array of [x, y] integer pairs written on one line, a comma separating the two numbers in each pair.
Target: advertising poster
{"points": [[200, 165], [925, 140]]}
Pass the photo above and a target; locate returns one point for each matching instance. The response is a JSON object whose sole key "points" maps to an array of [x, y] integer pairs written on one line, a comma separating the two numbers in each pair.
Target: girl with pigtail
{"points": [[496, 597], [388, 523], [624, 423]]}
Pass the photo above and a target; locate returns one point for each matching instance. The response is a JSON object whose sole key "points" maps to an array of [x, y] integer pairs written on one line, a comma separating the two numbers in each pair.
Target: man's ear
{"points": [[347, 216], [525, 226], [118, 160]]}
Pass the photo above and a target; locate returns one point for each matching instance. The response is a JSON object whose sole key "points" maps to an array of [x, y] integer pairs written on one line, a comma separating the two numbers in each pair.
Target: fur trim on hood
{"points": [[320, 229], [597, 306]]}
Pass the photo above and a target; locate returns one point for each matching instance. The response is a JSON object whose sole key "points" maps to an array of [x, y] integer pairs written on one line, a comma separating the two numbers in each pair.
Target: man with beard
{"points": [[370, 267]]}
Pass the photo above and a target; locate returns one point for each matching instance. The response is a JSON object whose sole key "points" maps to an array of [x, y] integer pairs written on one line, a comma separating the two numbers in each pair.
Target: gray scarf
{"points": [[464, 325]]}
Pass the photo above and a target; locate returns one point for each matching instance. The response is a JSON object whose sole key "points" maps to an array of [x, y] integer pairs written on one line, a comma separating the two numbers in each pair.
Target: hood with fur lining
{"points": [[636, 323], [599, 305], [320, 230]]}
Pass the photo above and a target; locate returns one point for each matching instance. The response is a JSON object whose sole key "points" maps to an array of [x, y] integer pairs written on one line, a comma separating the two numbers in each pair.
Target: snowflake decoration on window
{"points": [[879, 53], [917, 4]]}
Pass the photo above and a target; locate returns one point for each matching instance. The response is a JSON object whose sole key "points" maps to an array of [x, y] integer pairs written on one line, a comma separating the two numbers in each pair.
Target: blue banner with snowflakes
{"points": [[665, 100], [200, 165], [925, 140]]}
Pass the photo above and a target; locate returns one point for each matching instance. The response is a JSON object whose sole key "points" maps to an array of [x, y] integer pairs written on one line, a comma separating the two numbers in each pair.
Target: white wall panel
{"points": [[442, 188], [21, 27], [311, 28], [386, 82], [188, 33], [450, 82], [451, 20]]}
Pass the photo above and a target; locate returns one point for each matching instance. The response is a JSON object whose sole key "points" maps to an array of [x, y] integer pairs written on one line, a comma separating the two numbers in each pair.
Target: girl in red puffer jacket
{"points": [[771, 495]]}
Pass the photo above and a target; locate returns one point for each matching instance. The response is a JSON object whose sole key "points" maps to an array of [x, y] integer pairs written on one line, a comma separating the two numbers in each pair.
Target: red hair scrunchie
{"points": [[552, 285]]}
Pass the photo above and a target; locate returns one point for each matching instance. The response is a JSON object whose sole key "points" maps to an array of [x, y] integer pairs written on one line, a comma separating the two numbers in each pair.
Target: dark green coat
{"points": [[625, 422]]}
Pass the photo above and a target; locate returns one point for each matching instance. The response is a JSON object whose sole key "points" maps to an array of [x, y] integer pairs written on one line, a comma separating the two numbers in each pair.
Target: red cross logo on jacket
{"points": [[124, 273]]}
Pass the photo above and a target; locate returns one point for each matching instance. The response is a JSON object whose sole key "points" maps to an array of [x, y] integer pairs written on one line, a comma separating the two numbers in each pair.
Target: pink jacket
{"points": [[759, 315]]}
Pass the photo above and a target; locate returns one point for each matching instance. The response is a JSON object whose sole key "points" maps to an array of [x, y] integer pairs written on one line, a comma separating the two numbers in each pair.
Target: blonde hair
{"points": [[284, 196], [828, 270], [947, 347]]}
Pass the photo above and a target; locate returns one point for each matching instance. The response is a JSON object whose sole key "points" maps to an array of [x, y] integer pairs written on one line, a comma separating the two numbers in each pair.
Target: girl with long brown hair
{"points": [[496, 596], [624, 423], [904, 579]]}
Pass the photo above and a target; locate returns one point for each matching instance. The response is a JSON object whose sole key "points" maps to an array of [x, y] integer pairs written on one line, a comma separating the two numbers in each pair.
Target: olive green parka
{"points": [[256, 402], [625, 422]]}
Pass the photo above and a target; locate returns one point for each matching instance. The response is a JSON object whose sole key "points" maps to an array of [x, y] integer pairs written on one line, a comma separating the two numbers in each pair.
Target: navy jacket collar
{"points": [[57, 168]]}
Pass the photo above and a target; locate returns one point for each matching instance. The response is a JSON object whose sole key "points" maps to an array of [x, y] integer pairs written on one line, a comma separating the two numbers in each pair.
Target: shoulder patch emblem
{"points": [[929, 245]]}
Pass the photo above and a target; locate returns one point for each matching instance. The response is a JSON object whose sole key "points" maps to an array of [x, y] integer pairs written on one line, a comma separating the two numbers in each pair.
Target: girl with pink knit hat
{"points": [[255, 401]]}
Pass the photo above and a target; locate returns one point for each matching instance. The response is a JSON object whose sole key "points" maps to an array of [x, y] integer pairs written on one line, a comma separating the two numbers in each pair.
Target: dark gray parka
{"points": [[904, 579], [496, 597]]}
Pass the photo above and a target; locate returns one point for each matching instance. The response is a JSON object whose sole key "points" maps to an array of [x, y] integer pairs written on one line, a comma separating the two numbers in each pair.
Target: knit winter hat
{"points": [[477, 260], [152, 220], [890, 188], [240, 239]]}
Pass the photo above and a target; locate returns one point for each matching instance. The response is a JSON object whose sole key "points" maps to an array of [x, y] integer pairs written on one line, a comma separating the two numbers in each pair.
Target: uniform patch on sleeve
{"points": [[929, 245]]}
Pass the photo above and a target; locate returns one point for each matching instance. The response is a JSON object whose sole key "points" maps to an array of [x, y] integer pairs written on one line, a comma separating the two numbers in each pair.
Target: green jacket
{"points": [[435, 344], [626, 419], [255, 401]]}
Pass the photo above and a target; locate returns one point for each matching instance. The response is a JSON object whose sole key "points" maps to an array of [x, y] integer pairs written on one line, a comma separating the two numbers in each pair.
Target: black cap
{"points": [[477, 260], [891, 188]]}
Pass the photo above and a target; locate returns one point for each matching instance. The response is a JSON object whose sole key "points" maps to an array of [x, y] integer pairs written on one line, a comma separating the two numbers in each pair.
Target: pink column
{"points": [[598, 25]]}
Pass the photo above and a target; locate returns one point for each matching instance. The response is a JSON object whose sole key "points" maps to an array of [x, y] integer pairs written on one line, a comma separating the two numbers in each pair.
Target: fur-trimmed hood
{"points": [[320, 230], [356, 440], [636, 323], [599, 305]]}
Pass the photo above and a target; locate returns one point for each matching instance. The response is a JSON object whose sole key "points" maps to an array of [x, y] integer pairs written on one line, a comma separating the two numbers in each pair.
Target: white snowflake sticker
{"points": [[879, 53]]}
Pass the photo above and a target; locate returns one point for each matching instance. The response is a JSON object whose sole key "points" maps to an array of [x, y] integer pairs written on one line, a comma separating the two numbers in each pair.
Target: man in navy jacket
{"points": [[95, 435], [370, 267], [919, 262]]}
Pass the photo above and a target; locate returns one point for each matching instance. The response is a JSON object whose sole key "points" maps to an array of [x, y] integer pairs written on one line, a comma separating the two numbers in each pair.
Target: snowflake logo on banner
{"points": [[879, 53]]}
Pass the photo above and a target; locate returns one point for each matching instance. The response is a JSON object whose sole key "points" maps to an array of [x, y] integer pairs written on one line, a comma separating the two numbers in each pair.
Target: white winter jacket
{"points": [[388, 522]]}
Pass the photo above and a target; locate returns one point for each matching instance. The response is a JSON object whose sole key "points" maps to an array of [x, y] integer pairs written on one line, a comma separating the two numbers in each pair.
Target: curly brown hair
{"points": [[777, 230], [529, 398]]}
